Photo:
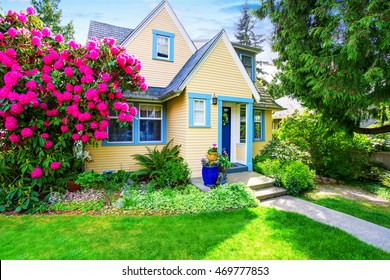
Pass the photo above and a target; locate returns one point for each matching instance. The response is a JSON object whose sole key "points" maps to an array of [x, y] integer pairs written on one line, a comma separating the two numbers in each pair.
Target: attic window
{"points": [[163, 45], [247, 61]]}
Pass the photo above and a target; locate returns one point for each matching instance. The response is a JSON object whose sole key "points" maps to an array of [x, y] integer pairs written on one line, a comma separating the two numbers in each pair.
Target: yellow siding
{"points": [[159, 73], [258, 146], [115, 157], [220, 74], [177, 121]]}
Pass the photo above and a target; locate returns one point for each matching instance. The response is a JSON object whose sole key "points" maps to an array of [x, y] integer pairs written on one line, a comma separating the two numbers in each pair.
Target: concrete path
{"points": [[370, 233]]}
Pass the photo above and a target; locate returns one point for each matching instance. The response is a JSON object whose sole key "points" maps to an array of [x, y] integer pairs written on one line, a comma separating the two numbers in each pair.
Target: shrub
{"points": [[188, 200], [297, 177], [173, 174], [89, 179], [271, 168], [333, 153], [52, 95]]}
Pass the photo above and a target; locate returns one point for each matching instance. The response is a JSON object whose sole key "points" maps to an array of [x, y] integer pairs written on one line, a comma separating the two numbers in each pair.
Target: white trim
{"points": [[151, 16], [223, 36]]}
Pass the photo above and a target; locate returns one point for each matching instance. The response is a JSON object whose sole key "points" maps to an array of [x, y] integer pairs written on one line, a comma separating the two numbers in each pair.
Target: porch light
{"points": [[214, 99]]}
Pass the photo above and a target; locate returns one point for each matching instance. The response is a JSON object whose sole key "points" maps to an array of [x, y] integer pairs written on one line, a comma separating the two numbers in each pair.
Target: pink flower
{"points": [[84, 138], [85, 117], [1, 36], [31, 85], [125, 107], [16, 109], [133, 111], [118, 95], [43, 106], [45, 135], [59, 38], [22, 18], [46, 32], [27, 132], [46, 123], [100, 135], [129, 118], [48, 145], [91, 105], [79, 127], [77, 98], [106, 77], [52, 113], [111, 95], [94, 54], [143, 86], [102, 88], [55, 165], [11, 53], [64, 129], [76, 136], [12, 32], [114, 50], [90, 94], [69, 87], [11, 123], [117, 105], [14, 138], [72, 44], [30, 11], [94, 125], [78, 89], [103, 124], [122, 117], [69, 72], [36, 173], [102, 106], [36, 41]]}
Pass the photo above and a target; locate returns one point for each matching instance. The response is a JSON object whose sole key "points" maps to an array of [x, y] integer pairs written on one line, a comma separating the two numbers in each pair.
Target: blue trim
{"points": [[262, 139], [136, 141], [239, 53], [250, 124], [207, 99], [171, 45], [249, 145]]}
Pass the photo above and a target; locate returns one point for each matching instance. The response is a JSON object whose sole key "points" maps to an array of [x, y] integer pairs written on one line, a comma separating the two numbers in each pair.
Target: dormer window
{"points": [[163, 45], [247, 61]]}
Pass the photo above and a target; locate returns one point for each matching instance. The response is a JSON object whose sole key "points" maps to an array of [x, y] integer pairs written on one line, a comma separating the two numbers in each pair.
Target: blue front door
{"points": [[226, 129]]}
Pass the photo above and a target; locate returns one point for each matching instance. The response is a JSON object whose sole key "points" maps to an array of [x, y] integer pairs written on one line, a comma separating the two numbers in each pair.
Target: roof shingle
{"points": [[100, 30]]}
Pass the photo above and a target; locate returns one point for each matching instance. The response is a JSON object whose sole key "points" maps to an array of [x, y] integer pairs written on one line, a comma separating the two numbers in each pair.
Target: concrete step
{"points": [[269, 192], [251, 179]]}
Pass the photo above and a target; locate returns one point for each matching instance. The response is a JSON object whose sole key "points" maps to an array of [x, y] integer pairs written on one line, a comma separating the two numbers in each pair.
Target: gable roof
{"points": [[163, 5], [100, 30]]}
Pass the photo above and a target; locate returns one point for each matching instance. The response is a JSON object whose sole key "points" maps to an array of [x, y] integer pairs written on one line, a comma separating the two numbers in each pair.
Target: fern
{"points": [[154, 160]]}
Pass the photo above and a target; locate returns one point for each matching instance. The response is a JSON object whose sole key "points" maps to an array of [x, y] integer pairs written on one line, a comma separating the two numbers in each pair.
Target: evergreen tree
{"points": [[244, 29], [50, 14], [334, 57]]}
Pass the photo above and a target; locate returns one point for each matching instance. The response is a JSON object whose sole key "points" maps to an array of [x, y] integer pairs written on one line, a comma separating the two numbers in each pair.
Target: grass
{"points": [[376, 214], [257, 233]]}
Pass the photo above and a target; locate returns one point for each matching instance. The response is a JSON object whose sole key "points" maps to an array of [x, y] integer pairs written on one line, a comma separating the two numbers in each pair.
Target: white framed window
{"points": [[199, 112], [150, 123], [162, 48], [118, 133]]}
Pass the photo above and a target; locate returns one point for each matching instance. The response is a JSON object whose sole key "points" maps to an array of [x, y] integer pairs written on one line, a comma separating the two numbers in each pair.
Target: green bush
{"points": [[188, 200], [297, 177], [333, 153], [271, 168], [89, 179], [173, 174], [82, 205]]}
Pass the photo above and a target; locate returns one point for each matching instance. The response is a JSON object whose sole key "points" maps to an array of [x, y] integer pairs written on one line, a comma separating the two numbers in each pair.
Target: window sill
{"points": [[163, 59], [199, 126], [105, 144]]}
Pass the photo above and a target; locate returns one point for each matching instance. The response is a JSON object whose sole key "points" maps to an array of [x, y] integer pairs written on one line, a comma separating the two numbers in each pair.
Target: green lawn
{"points": [[257, 233], [376, 214]]}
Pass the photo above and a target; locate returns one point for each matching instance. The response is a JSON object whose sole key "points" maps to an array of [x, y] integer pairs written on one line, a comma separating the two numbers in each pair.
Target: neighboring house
{"points": [[290, 105], [191, 89]]}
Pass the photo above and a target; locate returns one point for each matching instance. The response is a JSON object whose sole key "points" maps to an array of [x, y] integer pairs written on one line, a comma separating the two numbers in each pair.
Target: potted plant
{"points": [[209, 172], [224, 164], [212, 153]]}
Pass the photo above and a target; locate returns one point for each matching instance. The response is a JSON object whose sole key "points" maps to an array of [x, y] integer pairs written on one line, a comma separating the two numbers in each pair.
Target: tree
{"points": [[244, 29], [53, 95], [51, 14], [334, 57]]}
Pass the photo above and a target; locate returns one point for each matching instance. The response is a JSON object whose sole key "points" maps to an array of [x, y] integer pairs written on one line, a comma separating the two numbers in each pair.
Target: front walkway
{"points": [[370, 233]]}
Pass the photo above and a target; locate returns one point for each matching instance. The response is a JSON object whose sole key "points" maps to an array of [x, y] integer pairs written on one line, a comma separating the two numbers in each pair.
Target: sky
{"points": [[201, 18]]}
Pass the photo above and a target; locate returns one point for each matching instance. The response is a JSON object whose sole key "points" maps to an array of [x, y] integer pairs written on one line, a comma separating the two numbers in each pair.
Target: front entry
{"points": [[226, 130]]}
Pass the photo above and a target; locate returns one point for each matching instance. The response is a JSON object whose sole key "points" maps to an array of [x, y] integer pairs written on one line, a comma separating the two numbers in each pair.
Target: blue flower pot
{"points": [[210, 175]]}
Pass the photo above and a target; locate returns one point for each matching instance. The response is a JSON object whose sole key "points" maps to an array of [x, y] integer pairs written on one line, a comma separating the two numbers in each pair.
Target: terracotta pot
{"points": [[73, 187]]}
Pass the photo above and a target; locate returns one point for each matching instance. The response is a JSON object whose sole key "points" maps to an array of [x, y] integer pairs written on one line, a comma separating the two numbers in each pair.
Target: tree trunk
{"points": [[374, 130]]}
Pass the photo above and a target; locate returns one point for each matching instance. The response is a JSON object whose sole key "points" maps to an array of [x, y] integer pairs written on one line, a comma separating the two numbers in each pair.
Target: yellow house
{"points": [[199, 95]]}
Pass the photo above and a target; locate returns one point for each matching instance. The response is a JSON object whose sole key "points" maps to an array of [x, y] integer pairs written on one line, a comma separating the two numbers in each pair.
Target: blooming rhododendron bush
{"points": [[53, 94]]}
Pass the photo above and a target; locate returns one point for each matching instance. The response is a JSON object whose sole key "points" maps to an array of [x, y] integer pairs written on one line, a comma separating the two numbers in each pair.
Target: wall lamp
{"points": [[214, 99]]}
